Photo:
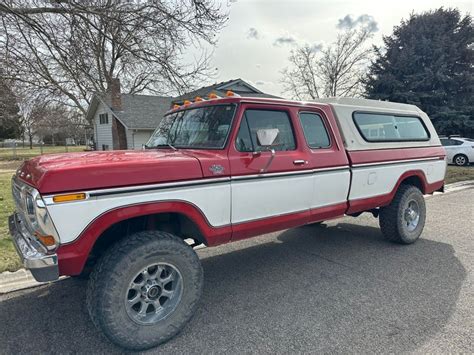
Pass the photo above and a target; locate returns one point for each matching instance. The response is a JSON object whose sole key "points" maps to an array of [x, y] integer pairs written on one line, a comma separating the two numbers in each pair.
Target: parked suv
{"points": [[216, 171], [459, 151]]}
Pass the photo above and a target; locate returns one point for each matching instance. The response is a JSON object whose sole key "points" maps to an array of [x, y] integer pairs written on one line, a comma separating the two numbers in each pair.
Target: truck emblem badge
{"points": [[216, 169]]}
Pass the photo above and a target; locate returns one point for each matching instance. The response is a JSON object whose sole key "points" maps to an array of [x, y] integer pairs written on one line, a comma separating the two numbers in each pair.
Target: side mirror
{"points": [[266, 138]]}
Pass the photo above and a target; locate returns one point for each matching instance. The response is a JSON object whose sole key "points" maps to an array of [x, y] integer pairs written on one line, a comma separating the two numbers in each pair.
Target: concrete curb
{"points": [[22, 279], [18, 280]]}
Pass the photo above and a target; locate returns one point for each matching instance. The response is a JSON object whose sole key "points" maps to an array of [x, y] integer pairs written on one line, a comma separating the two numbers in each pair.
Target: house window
{"points": [[105, 147], [104, 118]]}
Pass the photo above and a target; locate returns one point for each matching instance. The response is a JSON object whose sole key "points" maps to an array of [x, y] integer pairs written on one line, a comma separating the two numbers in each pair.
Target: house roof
{"points": [[143, 111], [238, 86], [146, 111], [138, 111]]}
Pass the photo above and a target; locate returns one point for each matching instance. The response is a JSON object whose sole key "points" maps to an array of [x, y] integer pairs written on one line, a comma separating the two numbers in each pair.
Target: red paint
{"points": [[72, 257], [269, 225], [244, 163], [383, 155], [97, 170]]}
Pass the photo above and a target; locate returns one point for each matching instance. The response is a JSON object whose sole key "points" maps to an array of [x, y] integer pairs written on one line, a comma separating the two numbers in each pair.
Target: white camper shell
{"points": [[380, 117]]}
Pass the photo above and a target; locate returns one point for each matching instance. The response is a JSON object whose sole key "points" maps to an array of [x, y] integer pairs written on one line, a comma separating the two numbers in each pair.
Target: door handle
{"points": [[299, 162]]}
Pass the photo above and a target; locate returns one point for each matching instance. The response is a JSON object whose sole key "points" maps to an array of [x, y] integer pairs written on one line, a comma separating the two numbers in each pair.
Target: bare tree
{"points": [[71, 48], [33, 111], [336, 70], [301, 79]]}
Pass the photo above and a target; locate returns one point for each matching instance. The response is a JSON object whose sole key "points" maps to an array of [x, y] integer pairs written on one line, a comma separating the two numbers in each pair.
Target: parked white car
{"points": [[459, 151]]}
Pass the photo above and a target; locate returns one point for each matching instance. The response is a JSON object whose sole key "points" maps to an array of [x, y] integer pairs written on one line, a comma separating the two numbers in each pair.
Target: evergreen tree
{"points": [[428, 62]]}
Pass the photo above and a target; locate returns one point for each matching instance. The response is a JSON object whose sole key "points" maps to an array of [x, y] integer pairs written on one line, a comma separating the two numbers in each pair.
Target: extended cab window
{"points": [[377, 127], [314, 130], [253, 120]]}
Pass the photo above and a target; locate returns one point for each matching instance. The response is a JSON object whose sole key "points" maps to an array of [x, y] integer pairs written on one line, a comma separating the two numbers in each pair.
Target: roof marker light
{"points": [[212, 95], [187, 102], [229, 93], [198, 99], [176, 106]]}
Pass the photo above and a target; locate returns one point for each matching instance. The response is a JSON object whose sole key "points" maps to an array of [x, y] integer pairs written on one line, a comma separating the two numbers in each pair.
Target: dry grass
{"points": [[459, 173], [8, 257]]}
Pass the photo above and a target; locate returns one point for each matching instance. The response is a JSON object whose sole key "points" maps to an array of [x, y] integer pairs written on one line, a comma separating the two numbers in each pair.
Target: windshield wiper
{"points": [[166, 145]]}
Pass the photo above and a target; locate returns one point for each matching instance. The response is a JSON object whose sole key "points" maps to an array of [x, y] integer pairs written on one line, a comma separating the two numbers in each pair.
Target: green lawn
{"points": [[8, 257], [26, 153]]}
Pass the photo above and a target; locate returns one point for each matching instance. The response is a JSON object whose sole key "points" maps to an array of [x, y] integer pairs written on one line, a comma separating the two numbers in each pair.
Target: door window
{"points": [[314, 130], [253, 120]]}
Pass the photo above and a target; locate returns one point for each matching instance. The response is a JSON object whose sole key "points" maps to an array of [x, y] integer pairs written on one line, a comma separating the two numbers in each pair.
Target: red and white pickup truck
{"points": [[216, 171]]}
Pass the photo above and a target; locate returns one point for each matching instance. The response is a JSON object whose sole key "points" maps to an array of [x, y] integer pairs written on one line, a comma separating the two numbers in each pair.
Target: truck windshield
{"points": [[196, 128]]}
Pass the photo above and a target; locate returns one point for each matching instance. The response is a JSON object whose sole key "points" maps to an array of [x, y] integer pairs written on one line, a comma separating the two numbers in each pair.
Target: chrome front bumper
{"points": [[43, 266]]}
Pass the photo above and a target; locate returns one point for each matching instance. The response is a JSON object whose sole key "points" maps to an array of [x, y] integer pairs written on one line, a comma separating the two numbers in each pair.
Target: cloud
{"points": [[252, 33], [258, 66], [259, 83], [285, 40], [365, 20], [316, 47]]}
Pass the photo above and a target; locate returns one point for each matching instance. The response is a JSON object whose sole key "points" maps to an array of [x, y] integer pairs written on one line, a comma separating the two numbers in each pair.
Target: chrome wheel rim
{"points": [[412, 215], [460, 160], [154, 293]]}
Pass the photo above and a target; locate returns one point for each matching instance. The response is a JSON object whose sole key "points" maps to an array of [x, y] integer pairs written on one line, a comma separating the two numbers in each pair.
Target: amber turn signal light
{"points": [[69, 197], [47, 240]]}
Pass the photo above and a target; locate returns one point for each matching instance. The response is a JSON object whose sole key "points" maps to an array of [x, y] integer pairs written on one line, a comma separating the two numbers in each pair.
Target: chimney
{"points": [[115, 94]]}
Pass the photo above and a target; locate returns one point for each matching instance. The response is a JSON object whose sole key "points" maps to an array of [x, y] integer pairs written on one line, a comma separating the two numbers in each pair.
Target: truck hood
{"points": [[97, 170]]}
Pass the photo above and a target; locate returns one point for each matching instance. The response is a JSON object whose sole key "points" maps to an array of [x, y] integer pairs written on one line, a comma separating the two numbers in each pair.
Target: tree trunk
{"points": [[31, 140]]}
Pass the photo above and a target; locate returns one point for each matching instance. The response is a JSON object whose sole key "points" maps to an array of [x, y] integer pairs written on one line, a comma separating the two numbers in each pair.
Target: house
{"points": [[125, 121], [238, 86]]}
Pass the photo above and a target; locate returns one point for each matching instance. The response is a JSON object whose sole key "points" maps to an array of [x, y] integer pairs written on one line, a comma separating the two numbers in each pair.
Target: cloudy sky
{"points": [[257, 40]]}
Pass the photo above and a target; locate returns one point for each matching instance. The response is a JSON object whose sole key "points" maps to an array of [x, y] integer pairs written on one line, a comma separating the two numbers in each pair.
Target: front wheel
{"points": [[145, 289], [403, 220]]}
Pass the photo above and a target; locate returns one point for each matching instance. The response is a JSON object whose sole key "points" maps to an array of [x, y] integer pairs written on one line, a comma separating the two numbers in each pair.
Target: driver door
{"points": [[267, 197]]}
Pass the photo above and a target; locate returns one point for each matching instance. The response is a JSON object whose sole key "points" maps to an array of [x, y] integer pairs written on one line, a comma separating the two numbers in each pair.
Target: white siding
{"points": [[136, 138], [103, 132]]}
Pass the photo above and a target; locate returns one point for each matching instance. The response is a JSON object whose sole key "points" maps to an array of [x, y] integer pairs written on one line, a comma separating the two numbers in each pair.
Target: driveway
{"points": [[321, 289]]}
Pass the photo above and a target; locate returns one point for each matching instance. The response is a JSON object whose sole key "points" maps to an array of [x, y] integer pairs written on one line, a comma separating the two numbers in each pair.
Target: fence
{"points": [[15, 151]]}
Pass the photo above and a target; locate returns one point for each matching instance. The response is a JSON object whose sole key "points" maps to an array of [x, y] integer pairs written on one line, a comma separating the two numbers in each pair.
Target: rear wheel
{"points": [[404, 219], [145, 289], [461, 160]]}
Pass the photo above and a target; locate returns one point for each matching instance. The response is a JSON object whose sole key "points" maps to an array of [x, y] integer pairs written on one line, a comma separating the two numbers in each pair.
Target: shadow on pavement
{"points": [[311, 289]]}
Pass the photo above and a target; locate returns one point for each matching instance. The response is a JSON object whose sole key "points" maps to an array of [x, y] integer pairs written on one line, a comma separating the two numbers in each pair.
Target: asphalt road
{"points": [[338, 288]]}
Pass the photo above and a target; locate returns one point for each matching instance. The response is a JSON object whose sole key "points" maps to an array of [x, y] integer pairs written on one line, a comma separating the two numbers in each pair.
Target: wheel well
{"points": [[174, 223], [414, 181], [458, 154]]}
